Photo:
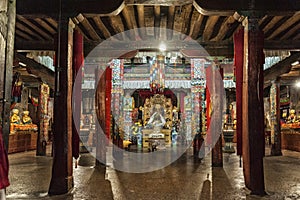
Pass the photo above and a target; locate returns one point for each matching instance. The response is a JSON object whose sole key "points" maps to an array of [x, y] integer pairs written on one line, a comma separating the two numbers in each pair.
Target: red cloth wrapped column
{"points": [[238, 72], [78, 60]]}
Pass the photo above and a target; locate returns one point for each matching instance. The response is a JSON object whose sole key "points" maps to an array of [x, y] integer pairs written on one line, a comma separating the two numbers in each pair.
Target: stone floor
{"points": [[183, 179]]}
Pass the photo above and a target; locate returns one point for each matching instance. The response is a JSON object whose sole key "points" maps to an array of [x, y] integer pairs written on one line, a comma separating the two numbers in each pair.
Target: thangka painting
{"points": [[128, 104], [187, 103], [198, 75]]}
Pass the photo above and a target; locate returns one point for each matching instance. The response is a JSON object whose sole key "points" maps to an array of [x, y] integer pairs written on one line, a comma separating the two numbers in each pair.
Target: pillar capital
{"points": [[251, 23]]}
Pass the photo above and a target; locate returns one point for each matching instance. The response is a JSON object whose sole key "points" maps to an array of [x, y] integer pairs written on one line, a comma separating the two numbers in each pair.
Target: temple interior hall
{"points": [[143, 99]]}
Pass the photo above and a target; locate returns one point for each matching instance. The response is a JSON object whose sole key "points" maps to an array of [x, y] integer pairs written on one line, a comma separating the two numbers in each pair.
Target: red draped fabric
{"points": [[108, 86], [78, 60], [238, 63], [208, 106], [4, 167]]}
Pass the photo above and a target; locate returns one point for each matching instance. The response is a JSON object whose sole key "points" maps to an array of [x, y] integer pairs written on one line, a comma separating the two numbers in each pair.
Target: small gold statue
{"points": [[26, 119], [15, 119]]}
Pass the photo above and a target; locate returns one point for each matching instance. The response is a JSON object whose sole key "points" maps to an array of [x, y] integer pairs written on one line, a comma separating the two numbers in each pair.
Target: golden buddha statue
{"points": [[15, 119], [26, 119]]}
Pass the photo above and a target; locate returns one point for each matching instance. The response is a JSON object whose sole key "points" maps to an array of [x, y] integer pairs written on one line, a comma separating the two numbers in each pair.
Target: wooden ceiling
{"points": [[36, 28], [214, 32]]}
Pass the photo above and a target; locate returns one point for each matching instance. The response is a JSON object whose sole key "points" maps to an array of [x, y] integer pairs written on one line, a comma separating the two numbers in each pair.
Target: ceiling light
{"points": [[295, 63], [298, 84], [162, 47], [22, 64]]}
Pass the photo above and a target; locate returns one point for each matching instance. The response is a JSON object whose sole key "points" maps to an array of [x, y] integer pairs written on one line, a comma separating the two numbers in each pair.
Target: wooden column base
{"points": [[217, 154], [61, 185]]}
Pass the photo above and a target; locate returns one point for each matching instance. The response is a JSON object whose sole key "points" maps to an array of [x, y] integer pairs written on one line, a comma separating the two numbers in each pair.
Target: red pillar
{"points": [[238, 64], [78, 60], [62, 169], [253, 112]]}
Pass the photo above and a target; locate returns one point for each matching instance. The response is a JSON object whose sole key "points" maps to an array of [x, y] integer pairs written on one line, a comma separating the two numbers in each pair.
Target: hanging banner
{"points": [[273, 105]]}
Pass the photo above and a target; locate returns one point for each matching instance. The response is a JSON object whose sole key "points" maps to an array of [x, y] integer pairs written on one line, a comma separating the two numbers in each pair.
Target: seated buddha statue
{"points": [[15, 119], [157, 119], [26, 119]]}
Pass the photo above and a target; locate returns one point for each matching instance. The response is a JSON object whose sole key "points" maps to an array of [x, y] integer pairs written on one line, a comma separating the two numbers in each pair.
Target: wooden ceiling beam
{"points": [[34, 45], [117, 25], [186, 18], [141, 20], [170, 22], [196, 28], [284, 26], [224, 28], [128, 19], [157, 20], [46, 26], [209, 27], [262, 20], [27, 30], [76, 22], [280, 68], [37, 69], [163, 26], [291, 32], [282, 44], [211, 49], [128, 14], [272, 23], [23, 35], [297, 38], [222, 46], [194, 18], [141, 15], [52, 22], [102, 27], [86, 24], [34, 27]]}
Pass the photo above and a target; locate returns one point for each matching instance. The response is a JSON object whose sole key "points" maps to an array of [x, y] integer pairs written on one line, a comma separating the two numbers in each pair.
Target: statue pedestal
{"points": [[22, 140], [151, 134], [168, 136]]}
